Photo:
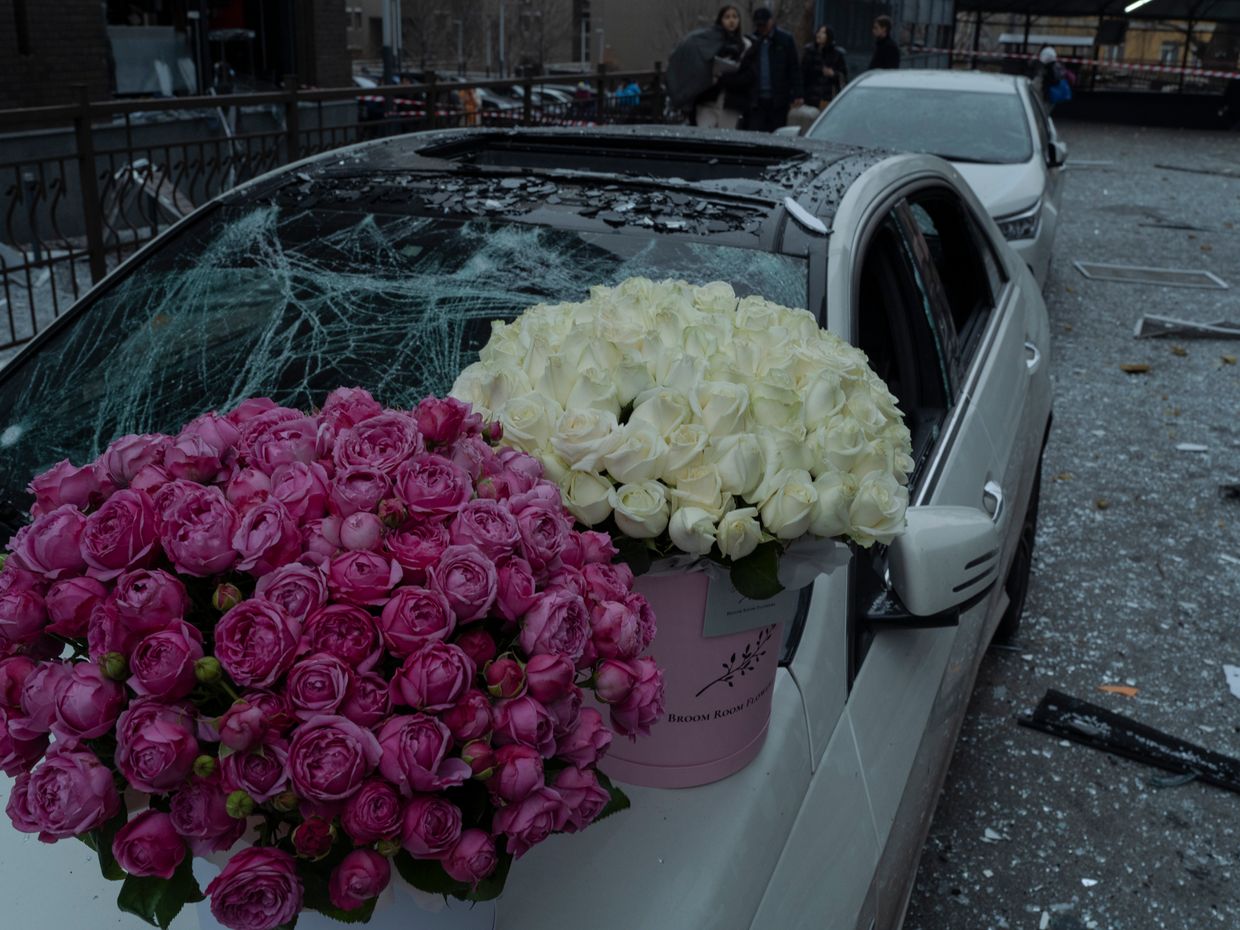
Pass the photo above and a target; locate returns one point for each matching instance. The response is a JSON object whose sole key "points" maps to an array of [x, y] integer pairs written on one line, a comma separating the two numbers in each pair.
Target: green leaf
{"points": [[100, 840], [159, 900], [316, 898], [633, 552], [756, 576], [428, 875], [490, 887], [619, 800]]}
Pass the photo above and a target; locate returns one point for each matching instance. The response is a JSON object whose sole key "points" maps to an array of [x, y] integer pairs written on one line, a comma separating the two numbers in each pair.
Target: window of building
{"points": [[1171, 52]]}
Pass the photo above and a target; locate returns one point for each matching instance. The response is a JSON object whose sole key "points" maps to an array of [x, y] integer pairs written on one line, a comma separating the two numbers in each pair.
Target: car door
{"points": [[1046, 135]]}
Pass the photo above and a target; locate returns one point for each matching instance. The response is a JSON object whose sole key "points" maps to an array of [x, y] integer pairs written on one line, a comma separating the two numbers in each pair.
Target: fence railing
{"points": [[84, 185]]}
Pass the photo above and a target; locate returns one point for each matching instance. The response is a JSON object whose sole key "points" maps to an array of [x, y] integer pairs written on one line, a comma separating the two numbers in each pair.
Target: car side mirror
{"points": [[946, 557], [788, 131], [1056, 153]]}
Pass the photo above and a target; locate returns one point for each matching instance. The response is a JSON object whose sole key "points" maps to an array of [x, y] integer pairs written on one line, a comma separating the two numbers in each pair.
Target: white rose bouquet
{"points": [[685, 419]]}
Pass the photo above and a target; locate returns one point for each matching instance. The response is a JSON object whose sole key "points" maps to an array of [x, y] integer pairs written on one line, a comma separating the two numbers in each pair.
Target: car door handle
{"points": [[992, 500], [1033, 358]]}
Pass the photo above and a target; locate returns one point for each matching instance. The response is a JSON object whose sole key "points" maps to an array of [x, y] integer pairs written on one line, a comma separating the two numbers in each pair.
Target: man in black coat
{"points": [[778, 84], [886, 52]]}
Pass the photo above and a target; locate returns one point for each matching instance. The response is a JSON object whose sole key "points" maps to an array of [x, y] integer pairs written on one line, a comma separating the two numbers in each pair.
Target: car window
{"points": [[973, 126], [1039, 119], [258, 301]]}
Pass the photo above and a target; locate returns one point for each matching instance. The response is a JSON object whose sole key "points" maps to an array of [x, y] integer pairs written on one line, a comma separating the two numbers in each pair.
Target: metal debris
{"points": [[1152, 325], [1143, 274], [1233, 679]]}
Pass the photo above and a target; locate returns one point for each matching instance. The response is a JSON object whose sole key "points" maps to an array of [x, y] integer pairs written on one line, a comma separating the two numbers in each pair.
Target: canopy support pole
{"points": [[977, 40], [1188, 42]]}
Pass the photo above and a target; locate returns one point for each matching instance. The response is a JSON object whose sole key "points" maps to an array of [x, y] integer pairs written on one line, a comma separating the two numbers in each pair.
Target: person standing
{"points": [[778, 84], [886, 52], [723, 104], [823, 69]]}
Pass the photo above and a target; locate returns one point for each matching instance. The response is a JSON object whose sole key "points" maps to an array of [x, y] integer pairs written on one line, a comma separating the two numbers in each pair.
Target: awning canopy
{"points": [[1219, 11]]}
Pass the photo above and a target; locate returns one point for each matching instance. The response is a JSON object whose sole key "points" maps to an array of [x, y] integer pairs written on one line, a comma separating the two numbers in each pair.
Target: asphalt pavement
{"points": [[1136, 583]]}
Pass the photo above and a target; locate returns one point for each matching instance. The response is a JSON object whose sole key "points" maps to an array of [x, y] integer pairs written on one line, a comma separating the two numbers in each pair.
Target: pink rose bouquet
{"points": [[339, 646]]}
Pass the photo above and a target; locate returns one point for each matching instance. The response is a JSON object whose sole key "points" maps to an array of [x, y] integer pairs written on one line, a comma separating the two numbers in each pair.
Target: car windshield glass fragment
{"points": [[978, 127], [257, 302]]}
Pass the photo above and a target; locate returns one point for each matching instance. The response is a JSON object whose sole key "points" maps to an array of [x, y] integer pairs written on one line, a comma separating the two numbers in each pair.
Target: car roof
{"points": [[670, 179], [941, 79]]}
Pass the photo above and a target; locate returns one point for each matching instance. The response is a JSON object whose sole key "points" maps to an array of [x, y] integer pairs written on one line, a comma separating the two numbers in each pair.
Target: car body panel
{"points": [[820, 666]]}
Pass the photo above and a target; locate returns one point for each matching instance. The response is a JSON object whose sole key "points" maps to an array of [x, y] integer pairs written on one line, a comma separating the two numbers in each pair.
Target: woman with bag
{"points": [[1053, 78], [723, 104], [823, 69]]}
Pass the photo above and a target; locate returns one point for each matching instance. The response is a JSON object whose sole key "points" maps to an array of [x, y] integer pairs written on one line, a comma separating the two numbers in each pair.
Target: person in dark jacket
{"points": [[886, 52], [823, 69], [723, 104], [778, 84]]}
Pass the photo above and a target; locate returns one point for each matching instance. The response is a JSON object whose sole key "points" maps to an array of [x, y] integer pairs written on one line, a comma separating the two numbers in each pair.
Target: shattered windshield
{"points": [[258, 301]]}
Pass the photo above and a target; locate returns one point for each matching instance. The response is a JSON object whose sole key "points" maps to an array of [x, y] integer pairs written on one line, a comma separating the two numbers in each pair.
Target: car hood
{"points": [[1004, 189]]}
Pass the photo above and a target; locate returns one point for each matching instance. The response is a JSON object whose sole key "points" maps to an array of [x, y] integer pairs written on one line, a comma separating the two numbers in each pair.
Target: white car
{"points": [[993, 127], [383, 265]]}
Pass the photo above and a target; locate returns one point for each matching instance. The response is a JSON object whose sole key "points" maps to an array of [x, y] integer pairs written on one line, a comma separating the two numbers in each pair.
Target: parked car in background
{"points": [[993, 127], [384, 264]]}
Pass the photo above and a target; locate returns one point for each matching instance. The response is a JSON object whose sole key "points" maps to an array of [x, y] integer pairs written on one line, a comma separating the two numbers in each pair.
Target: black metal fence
{"points": [[84, 185]]}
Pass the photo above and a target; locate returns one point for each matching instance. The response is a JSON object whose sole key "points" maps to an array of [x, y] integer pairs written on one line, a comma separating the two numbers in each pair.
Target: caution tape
{"points": [[1085, 62]]}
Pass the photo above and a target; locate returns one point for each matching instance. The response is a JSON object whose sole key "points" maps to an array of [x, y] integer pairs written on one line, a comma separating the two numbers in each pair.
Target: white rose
{"points": [[740, 462], [473, 386], [559, 377], [587, 495], [757, 315], [720, 406], [529, 420], [786, 512], [704, 340], [638, 455], [715, 297], [671, 320], [877, 512], [774, 405], [842, 443], [663, 408], [632, 378], [781, 450], [490, 388], [641, 510], [824, 398], [860, 407], [672, 368], [594, 388], [582, 437], [699, 486], [739, 533], [504, 347], [555, 469], [836, 491], [878, 455], [692, 530], [685, 445]]}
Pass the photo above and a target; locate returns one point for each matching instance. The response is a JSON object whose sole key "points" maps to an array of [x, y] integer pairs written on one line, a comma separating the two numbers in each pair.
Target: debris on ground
{"points": [[1233, 679], [1152, 325], [1229, 491], [1125, 690], [1191, 447], [1134, 368]]}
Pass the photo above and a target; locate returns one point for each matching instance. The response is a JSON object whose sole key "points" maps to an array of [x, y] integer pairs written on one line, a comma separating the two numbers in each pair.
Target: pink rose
{"points": [[505, 677], [358, 488], [523, 720], [643, 704], [480, 757], [518, 771], [242, 726], [13, 674], [617, 631], [414, 617], [203, 450], [107, 631], [532, 820], [613, 680], [254, 416], [69, 604], [443, 419], [256, 642], [521, 466], [302, 489], [162, 665], [128, 455], [557, 623], [487, 525], [330, 756], [362, 577], [472, 859], [17, 755], [374, 812], [467, 578], [285, 443], [566, 711], [14, 580], [478, 644], [549, 677], [257, 890], [313, 838], [597, 547], [155, 745], [119, 535], [320, 540], [470, 717], [431, 485], [645, 617], [23, 614], [433, 678], [361, 875], [51, 545], [587, 742], [544, 532], [584, 797], [64, 484], [417, 546], [344, 631], [150, 479], [87, 704], [299, 589], [70, 793], [198, 529], [542, 495], [266, 539], [262, 771], [317, 685], [430, 827], [516, 590], [383, 442], [607, 582], [38, 700], [149, 845], [247, 488], [347, 407], [149, 600], [479, 460], [19, 810], [361, 530], [415, 749], [368, 701], [199, 813]]}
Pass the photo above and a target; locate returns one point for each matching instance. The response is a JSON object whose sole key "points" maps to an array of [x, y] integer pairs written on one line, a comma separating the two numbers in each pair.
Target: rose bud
{"points": [[285, 802], [587, 742], [505, 677], [207, 669], [614, 680], [387, 848], [493, 431], [313, 838], [549, 677], [392, 512], [226, 597], [643, 705], [518, 771], [240, 805], [114, 665], [361, 876], [470, 718], [481, 758], [149, 845], [584, 797], [361, 530], [478, 644]]}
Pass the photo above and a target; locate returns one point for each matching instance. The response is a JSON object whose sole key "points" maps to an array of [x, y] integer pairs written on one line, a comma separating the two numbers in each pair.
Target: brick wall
{"points": [[68, 45], [323, 48]]}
